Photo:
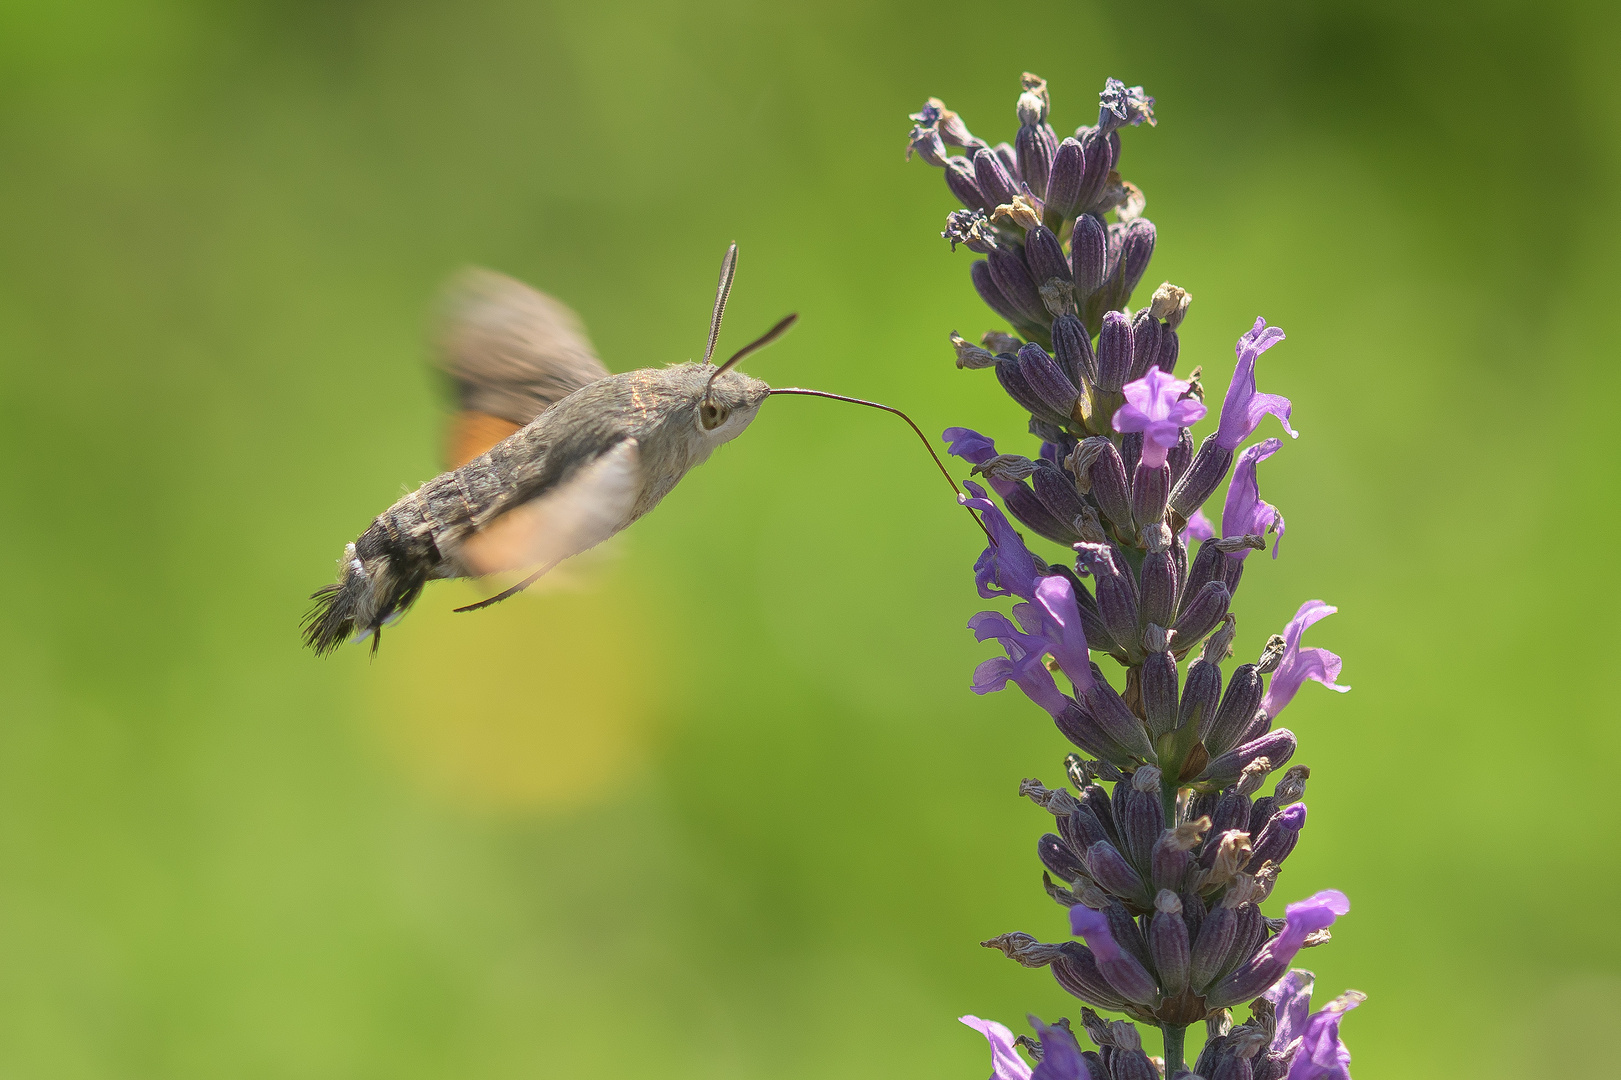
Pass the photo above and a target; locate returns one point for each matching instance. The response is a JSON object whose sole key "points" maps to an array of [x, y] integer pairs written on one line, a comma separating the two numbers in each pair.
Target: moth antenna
{"points": [[754, 346], [802, 392], [728, 270]]}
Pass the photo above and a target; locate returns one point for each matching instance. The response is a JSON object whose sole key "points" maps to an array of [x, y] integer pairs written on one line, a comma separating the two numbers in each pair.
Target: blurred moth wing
{"points": [[511, 352], [575, 515]]}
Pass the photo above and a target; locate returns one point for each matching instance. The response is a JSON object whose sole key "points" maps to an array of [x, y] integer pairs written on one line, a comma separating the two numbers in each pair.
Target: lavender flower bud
{"points": [[1012, 277], [1076, 970], [1114, 351], [1048, 381], [1232, 814], [1099, 151], [1150, 490], [1117, 721], [990, 292], [1144, 818], [1209, 466], [995, 179], [1095, 799], [1057, 857], [1276, 746], [1145, 342], [1217, 936], [1201, 615], [1159, 692], [1045, 255], [1238, 706], [1080, 727], [1261, 812], [1008, 160], [1110, 869], [1031, 512], [1136, 248], [1278, 838], [1064, 179], [1057, 493], [1125, 930], [1072, 347], [1081, 829], [1116, 596], [1157, 596], [1180, 456], [1089, 249], [1207, 567], [1201, 693], [1035, 147], [964, 184], [1170, 347], [1097, 465], [1168, 943], [1132, 1065]]}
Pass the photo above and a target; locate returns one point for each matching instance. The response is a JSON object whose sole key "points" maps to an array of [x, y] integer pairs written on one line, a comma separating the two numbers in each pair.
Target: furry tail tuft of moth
{"points": [[368, 597]]}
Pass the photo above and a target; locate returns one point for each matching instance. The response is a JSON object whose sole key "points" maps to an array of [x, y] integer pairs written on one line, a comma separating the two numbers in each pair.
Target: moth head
{"points": [[727, 404]]}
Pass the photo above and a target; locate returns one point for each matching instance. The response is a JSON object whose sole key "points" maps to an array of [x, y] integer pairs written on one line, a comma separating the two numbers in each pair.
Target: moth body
{"points": [[582, 470]]}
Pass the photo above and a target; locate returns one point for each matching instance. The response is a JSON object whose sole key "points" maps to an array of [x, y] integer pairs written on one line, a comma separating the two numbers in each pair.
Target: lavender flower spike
{"points": [[1245, 513], [1155, 406], [1256, 975], [1243, 407], [1298, 665], [1007, 567], [1006, 1064]]}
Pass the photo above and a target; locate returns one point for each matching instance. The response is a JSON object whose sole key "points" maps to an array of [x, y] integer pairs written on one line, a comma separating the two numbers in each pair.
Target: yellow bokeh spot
{"points": [[541, 703]]}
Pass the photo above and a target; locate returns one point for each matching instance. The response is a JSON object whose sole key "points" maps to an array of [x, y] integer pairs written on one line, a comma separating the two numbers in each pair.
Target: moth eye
{"points": [[711, 416]]}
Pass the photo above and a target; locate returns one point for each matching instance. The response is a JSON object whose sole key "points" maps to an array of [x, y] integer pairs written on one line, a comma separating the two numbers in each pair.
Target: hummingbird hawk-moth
{"points": [[550, 453]]}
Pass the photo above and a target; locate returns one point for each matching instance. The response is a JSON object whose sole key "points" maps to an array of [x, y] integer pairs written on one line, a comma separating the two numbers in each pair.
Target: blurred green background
{"points": [[723, 806]]}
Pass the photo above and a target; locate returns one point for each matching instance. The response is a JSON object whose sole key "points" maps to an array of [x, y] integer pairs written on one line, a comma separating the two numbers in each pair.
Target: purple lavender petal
{"points": [[1066, 639], [1243, 407], [1245, 514], [1291, 998], [1299, 665], [1321, 1055], [1006, 1064], [1006, 564], [969, 445], [1199, 527], [1155, 406], [1022, 665]]}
